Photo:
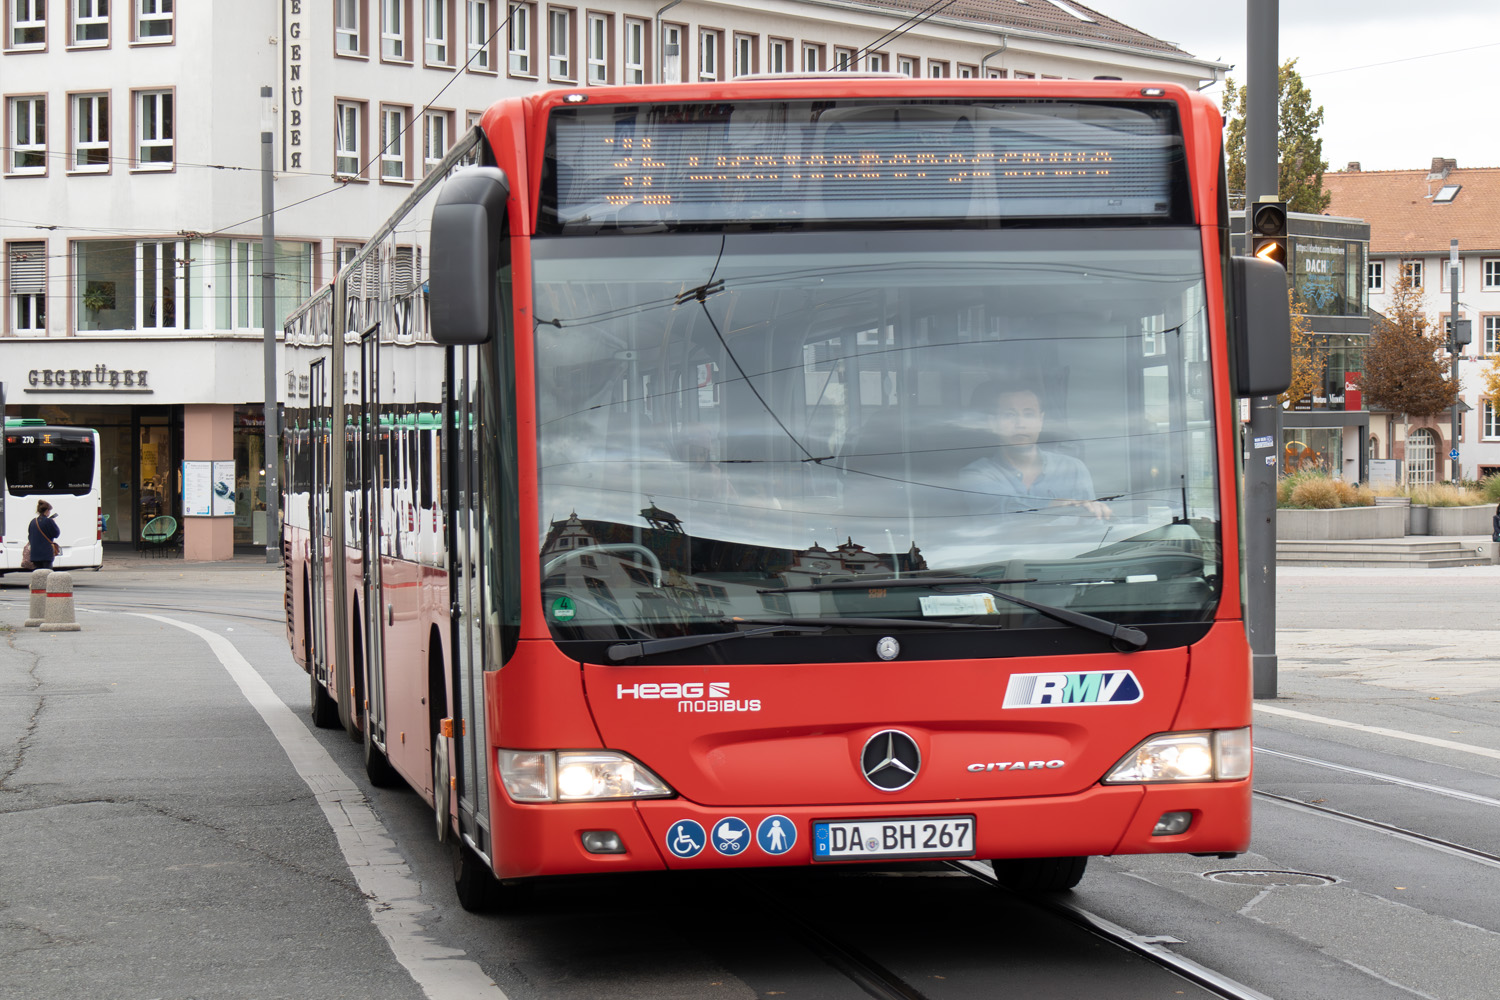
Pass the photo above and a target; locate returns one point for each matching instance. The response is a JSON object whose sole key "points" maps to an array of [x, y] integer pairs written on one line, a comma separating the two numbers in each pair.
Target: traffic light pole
{"points": [[1264, 432]]}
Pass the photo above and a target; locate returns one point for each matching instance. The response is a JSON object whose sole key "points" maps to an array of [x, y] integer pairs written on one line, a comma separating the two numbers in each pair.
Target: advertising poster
{"points": [[197, 489], [223, 489]]}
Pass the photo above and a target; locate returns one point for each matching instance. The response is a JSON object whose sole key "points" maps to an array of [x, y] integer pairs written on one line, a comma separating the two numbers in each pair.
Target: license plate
{"points": [[874, 839]]}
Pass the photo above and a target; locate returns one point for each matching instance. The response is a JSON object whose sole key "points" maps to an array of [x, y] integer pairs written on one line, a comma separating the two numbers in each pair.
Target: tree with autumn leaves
{"points": [[1299, 150], [1406, 370], [1307, 365]]}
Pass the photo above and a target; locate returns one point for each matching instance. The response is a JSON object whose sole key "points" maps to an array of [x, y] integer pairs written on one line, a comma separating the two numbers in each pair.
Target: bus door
{"points": [[319, 442], [465, 517], [371, 477]]}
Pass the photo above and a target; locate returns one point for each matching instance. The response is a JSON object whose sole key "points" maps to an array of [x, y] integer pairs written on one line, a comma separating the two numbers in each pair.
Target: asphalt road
{"points": [[161, 838]]}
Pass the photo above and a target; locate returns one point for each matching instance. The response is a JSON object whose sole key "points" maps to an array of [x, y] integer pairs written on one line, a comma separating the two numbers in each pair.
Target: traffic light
{"points": [[1268, 231]]}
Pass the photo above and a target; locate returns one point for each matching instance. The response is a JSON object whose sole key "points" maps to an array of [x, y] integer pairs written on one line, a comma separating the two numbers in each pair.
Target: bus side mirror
{"points": [[468, 248], [1262, 327]]}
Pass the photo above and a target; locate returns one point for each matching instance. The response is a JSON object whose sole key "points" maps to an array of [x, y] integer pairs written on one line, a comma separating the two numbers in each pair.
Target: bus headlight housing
{"points": [[576, 776], [1217, 755]]}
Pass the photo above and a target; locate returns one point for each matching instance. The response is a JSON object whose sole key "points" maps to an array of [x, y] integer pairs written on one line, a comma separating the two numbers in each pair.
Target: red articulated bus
{"points": [[792, 471]]}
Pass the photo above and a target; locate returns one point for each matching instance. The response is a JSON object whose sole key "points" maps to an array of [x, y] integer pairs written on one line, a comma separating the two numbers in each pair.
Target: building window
{"points": [[1421, 457], [599, 48], [671, 53], [347, 145], [877, 62], [560, 44], [26, 278], [90, 22], [635, 51], [347, 21], [153, 129], [27, 135], [708, 54], [1445, 279], [435, 128], [520, 40], [393, 30], [776, 56], [393, 144], [481, 29], [1374, 448], [906, 66], [153, 20], [1018, 75], [1375, 276], [843, 60], [937, 69], [28, 23], [90, 132], [1491, 421], [996, 74], [812, 59], [1491, 336], [744, 55], [967, 72], [1412, 270], [436, 33], [1492, 274]]}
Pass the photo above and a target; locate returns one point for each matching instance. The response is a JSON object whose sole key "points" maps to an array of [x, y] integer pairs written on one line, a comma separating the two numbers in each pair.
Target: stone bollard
{"points": [[59, 616], [38, 597]]}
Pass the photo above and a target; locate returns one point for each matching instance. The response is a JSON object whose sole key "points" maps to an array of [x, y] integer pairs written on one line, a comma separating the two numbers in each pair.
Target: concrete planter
{"points": [[1460, 520], [1341, 523]]}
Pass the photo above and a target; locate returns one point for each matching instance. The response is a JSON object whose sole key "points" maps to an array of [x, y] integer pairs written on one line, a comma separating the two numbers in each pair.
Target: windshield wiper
{"points": [[1125, 638], [897, 581], [891, 623], [630, 650]]}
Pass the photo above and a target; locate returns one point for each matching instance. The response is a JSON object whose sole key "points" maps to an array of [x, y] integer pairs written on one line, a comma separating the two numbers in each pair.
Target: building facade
{"points": [[132, 172], [1414, 215]]}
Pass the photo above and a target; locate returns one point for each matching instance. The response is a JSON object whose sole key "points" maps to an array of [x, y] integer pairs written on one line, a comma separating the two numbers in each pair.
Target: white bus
{"points": [[59, 465]]}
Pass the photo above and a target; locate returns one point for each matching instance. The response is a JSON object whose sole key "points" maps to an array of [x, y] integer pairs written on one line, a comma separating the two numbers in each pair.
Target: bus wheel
{"points": [[477, 888], [377, 765], [440, 786], [325, 711], [1039, 874]]}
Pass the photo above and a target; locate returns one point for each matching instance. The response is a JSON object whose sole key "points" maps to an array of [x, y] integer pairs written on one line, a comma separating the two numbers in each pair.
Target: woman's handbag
{"points": [[56, 549]]}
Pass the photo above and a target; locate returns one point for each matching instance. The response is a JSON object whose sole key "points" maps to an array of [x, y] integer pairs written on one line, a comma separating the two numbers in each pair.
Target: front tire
{"points": [[1039, 874], [476, 886]]}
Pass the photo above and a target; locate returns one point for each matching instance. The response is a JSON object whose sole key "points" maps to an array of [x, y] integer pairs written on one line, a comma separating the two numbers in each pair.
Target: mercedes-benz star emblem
{"points": [[890, 760], [888, 648]]}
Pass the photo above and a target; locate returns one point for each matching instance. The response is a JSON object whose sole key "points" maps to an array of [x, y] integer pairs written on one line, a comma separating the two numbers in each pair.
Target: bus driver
{"points": [[1020, 476]]}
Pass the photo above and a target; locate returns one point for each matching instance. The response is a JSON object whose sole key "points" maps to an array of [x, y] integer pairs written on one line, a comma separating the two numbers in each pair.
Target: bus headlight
{"points": [[1220, 755], [576, 776]]}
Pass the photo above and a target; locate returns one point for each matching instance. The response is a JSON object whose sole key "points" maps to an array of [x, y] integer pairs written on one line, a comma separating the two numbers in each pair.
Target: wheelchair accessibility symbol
{"points": [[686, 839], [731, 836]]}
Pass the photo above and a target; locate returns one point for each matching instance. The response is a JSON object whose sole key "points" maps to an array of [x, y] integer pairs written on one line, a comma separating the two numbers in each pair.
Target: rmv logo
{"points": [[1095, 687]]}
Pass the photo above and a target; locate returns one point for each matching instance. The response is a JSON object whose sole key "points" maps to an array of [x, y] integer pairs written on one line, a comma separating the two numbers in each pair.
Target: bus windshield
{"points": [[49, 462], [732, 425]]}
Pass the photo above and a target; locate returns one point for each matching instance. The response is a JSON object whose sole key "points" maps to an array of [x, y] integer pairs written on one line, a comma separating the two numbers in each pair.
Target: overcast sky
{"points": [[1399, 81]]}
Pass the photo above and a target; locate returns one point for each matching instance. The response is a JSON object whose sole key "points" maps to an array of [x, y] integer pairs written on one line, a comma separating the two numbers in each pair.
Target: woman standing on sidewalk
{"points": [[42, 530]]}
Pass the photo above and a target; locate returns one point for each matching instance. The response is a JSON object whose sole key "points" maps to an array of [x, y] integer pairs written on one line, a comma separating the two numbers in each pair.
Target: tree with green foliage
{"points": [[1405, 371], [1300, 176]]}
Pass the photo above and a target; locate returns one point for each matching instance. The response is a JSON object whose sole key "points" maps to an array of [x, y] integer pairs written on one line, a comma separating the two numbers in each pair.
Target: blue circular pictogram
{"points": [[686, 838], [731, 836], [776, 834]]}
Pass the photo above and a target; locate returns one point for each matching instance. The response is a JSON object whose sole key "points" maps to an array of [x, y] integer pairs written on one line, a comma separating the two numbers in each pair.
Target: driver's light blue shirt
{"points": [[994, 486]]}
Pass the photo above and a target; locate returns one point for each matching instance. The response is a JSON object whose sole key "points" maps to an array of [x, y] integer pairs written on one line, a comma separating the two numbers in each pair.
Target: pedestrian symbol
{"points": [[731, 836], [776, 834], [685, 839]]}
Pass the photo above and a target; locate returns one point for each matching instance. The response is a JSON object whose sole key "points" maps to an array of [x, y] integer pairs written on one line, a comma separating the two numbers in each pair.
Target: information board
{"points": [[208, 489]]}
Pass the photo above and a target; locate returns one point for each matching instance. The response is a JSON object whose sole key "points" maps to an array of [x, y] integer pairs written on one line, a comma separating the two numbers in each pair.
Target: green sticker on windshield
{"points": [[563, 610]]}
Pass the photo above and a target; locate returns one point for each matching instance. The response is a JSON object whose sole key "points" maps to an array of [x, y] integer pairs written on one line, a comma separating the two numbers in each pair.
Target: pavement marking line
{"points": [[391, 890], [1394, 734]]}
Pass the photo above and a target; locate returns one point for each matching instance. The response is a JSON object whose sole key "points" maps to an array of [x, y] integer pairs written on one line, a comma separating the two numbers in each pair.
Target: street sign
{"points": [[1453, 454]]}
